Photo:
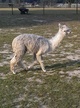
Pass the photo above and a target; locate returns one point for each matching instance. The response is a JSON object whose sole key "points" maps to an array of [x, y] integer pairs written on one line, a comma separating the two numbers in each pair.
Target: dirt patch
{"points": [[74, 73], [2, 76]]}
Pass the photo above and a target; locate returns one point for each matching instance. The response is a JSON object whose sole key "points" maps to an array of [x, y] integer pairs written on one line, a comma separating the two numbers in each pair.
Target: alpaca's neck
{"points": [[54, 41]]}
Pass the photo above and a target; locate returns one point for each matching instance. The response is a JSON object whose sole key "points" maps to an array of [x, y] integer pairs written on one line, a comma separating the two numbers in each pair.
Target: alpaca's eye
{"points": [[63, 27], [65, 31]]}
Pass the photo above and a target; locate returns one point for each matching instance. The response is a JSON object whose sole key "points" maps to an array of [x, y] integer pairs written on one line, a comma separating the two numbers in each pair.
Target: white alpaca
{"points": [[38, 45]]}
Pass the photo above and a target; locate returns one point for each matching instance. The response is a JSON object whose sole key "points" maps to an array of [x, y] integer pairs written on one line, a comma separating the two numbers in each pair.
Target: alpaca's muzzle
{"points": [[68, 31]]}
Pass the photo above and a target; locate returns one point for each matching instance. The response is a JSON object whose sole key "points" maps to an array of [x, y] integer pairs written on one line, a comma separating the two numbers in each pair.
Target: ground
{"points": [[59, 87]]}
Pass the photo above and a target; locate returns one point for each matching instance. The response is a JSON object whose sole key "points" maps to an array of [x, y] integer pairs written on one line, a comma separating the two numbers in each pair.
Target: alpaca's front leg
{"points": [[34, 62], [31, 65], [40, 61]]}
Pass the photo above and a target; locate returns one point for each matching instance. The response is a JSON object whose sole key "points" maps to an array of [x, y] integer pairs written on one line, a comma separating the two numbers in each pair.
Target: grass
{"points": [[59, 87]]}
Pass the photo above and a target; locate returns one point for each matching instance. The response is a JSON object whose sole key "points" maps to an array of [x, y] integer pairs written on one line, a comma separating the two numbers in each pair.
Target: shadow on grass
{"points": [[68, 64], [65, 64]]}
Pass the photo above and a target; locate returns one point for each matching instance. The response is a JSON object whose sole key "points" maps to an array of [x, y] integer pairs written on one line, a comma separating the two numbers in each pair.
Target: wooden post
{"points": [[43, 7], [11, 5], [12, 9], [76, 6]]}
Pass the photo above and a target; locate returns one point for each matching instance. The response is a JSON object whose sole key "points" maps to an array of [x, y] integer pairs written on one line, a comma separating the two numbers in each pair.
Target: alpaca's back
{"points": [[32, 43]]}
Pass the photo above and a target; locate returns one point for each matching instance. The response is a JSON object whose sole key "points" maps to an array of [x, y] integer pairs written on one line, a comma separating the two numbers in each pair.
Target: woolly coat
{"points": [[30, 42]]}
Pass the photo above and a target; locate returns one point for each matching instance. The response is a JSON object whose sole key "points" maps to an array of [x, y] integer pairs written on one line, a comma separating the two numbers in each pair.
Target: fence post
{"points": [[77, 7], [43, 7], [11, 5]]}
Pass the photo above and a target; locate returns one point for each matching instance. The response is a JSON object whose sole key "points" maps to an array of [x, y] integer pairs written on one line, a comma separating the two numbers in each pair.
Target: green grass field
{"points": [[59, 87]]}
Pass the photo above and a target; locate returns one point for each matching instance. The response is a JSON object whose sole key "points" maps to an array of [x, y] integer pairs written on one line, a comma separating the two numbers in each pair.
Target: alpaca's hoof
{"points": [[44, 70], [13, 72], [29, 67]]}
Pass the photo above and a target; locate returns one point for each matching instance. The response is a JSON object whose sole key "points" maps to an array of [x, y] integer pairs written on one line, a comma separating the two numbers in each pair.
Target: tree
{"points": [[69, 2]]}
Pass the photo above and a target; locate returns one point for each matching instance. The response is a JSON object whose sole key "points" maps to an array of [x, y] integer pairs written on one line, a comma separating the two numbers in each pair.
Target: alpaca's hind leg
{"points": [[16, 60], [22, 65], [12, 64], [39, 59], [34, 62], [19, 60]]}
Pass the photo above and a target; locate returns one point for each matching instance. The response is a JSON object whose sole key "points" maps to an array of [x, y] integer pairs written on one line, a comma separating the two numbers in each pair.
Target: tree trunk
{"points": [[69, 4]]}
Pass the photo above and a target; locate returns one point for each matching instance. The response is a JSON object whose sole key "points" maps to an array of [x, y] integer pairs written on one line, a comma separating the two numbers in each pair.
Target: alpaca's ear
{"points": [[59, 25]]}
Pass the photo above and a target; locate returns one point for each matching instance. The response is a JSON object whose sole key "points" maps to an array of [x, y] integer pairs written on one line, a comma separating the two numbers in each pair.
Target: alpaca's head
{"points": [[64, 29]]}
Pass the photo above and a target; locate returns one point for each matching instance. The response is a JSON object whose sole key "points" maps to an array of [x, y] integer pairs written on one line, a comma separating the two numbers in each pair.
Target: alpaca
{"points": [[37, 45]]}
